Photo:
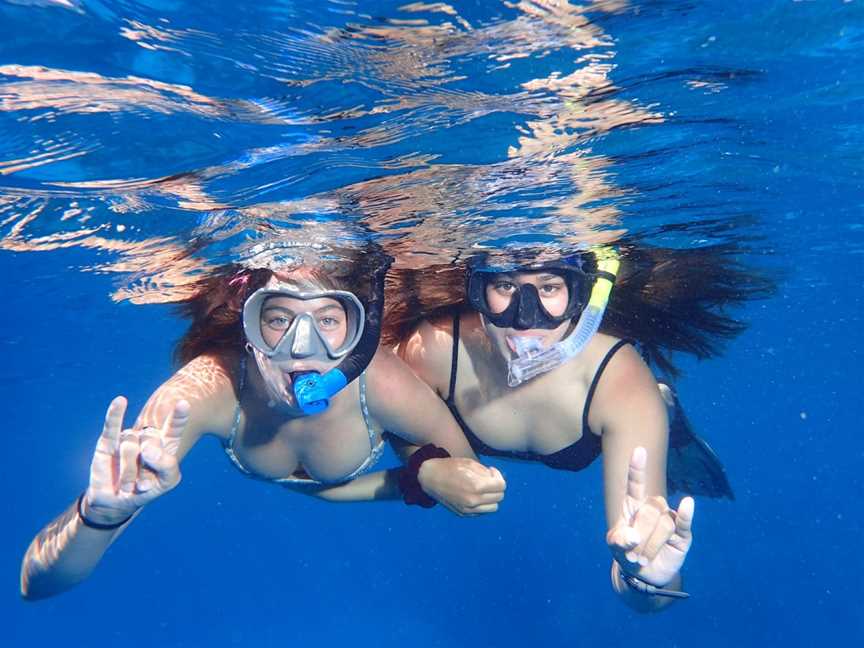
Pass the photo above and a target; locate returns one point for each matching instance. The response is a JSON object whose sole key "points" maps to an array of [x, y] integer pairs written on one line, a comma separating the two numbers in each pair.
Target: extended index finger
{"points": [[174, 426], [636, 474], [109, 441]]}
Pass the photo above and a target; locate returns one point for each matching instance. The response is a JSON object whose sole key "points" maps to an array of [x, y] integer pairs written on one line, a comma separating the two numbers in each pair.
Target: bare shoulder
{"points": [[207, 383], [430, 335], [625, 371], [404, 405], [428, 350], [387, 373], [204, 376], [626, 383], [393, 389]]}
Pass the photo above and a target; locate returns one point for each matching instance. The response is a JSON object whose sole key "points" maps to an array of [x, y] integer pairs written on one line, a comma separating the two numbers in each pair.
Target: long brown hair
{"points": [[668, 300], [215, 312]]}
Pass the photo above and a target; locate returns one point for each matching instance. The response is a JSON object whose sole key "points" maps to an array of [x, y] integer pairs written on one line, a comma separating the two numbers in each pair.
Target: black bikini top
{"points": [[574, 457]]}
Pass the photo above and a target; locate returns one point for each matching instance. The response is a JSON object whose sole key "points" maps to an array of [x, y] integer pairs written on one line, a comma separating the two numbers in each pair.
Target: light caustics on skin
{"points": [[197, 380], [367, 158], [48, 546]]}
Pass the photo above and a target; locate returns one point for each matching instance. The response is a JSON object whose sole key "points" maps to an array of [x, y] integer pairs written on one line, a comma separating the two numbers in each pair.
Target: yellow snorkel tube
{"points": [[608, 264]]}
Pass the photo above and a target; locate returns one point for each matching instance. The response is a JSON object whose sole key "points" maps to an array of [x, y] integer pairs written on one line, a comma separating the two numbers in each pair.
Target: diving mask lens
{"points": [[287, 324], [550, 298]]}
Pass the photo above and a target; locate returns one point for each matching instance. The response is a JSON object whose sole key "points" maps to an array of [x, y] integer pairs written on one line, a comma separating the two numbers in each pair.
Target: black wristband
{"points": [[98, 525], [636, 584], [409, 484]]}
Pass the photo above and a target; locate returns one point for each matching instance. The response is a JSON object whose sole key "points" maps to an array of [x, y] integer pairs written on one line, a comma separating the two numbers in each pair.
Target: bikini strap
{"points": [[241, 382], [454, 360], [609, 354], [364, 408]]}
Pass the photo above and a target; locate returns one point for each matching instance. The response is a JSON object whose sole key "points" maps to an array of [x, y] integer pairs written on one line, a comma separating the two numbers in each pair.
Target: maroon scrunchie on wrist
{"points": [[409, 484]]}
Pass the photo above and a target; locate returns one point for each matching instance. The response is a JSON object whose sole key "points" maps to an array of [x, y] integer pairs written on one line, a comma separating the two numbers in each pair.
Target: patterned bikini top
{"points": [[374, 455]]}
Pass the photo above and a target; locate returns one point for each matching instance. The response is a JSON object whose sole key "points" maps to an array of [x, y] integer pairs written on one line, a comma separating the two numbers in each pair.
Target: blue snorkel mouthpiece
{"points": [[313, 391]]}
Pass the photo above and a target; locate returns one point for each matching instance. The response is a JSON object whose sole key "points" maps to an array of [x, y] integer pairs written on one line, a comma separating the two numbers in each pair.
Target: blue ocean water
{"points": [[132, 132]]}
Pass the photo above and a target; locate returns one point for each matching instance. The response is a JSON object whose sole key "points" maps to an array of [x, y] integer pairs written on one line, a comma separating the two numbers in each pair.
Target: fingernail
{"points": [[631, 556], [127, 487], [145, 485]]}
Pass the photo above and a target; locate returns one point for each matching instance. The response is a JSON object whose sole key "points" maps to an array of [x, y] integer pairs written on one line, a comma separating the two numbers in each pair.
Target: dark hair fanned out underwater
{"points": [[666, 299], [677, 299]]}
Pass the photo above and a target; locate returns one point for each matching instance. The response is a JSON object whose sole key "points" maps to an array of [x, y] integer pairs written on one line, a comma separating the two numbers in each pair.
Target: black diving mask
{"points": [[525, 309]]}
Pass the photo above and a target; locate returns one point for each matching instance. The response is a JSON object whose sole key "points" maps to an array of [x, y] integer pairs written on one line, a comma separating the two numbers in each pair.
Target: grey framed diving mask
{"points": [[301, 335]]}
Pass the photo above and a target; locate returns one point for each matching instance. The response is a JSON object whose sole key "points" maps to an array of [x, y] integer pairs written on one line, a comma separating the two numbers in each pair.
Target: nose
{"points": [[527, 306], [303, 345]]}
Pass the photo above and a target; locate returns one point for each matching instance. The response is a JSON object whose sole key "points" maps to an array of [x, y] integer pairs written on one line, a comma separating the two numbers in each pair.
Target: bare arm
{"points": [[402, 404], [63, 554], [463, 485], [130, 468], [379, 485], [641, 527], [630, 412], [408, 408], [412, 412]]}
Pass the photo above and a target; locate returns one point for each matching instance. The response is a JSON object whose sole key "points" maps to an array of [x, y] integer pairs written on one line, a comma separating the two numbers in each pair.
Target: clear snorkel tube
{"points": [[532, 359]]}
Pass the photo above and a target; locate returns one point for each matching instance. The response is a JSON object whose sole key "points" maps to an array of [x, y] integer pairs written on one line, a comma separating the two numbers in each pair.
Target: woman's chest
{"points": [[533, 418], [325, 451]]}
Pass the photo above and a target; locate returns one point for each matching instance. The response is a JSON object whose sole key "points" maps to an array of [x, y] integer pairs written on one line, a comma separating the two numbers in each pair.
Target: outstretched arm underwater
{"points": [[415, 416], [648, 540], [130, 469]]}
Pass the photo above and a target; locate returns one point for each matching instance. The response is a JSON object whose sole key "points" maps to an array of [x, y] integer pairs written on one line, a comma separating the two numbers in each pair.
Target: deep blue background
{"points": [[226, 561]]}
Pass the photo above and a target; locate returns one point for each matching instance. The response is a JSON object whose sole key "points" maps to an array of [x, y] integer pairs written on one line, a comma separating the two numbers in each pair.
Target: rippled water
{"points": [[150, 141], [151, 129]]}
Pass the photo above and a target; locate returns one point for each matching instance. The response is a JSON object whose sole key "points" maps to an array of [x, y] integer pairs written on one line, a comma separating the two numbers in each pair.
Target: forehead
{"points": [[527, 277], [297, 305], [300, 280]]}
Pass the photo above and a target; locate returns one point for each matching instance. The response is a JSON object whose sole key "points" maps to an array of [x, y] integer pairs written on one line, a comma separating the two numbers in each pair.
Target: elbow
{"points": [[31, 583], [27, 594], [27, 590], [36, 590], [36, 584]]}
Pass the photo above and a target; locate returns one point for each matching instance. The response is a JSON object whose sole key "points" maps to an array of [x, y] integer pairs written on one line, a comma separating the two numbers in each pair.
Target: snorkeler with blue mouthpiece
{"points": [[280, 338], [281, 418]]}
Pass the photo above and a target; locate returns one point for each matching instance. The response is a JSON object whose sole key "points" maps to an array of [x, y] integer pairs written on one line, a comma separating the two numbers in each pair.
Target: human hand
{"points": [[131, 468], [650, 540], [462, 485]]}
